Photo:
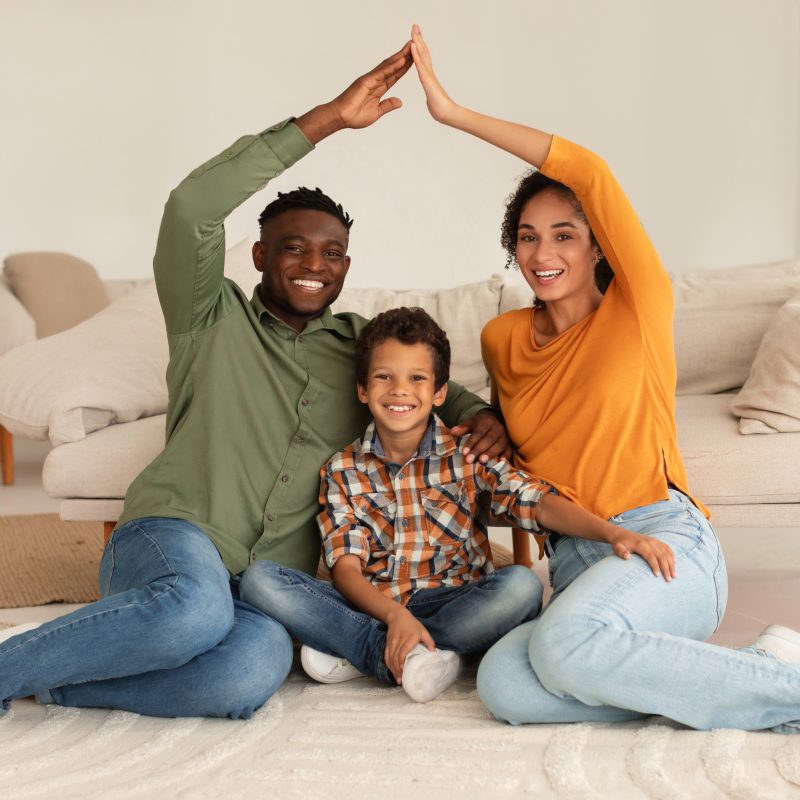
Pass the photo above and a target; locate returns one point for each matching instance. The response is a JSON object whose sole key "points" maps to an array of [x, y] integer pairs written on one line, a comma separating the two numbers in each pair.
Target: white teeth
{"points": [[548, 273], [400, 408], [309, 284]]}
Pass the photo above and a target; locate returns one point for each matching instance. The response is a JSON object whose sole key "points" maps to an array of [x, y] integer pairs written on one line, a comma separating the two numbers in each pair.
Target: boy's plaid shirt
{"points": [[419, 526]]}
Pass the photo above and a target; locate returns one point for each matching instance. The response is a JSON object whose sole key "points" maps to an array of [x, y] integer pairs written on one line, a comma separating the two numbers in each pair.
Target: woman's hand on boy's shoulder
{"points": [[488, 438]]}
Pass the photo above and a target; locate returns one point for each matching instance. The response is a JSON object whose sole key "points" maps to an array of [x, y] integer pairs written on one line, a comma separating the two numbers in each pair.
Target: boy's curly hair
{"points": [[408, 326]]}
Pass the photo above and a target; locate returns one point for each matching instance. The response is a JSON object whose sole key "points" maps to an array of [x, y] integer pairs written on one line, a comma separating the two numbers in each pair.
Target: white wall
{"points": [[695, 103]]}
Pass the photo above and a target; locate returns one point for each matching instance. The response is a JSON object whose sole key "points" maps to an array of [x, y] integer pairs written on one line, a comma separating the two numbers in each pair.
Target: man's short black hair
{"points": [[304, 198], [408, 326]]}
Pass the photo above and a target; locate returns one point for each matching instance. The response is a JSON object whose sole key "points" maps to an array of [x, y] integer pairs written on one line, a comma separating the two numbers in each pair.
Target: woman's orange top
{"points": [[593, 411]]}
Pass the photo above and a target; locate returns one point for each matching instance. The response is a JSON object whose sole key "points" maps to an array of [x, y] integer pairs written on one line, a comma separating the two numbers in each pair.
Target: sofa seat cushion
{"points": [[106, 462], [726, 468]]}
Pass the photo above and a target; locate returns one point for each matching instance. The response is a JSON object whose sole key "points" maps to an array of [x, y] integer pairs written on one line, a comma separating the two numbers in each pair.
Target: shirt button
{"points": [[402, 559], [252, 557], [284, 478], [299, 439], [400, 476], [299, 338], [304, 402], [404, 523], [270, 517]]}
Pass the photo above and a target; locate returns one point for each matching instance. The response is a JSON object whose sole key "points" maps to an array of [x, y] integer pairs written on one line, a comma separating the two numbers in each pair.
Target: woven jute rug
{"points": [[45, 560]]}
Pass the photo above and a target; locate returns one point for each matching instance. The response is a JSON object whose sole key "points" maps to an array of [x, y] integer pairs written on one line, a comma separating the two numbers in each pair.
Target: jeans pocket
{"points": [[592, 552]]}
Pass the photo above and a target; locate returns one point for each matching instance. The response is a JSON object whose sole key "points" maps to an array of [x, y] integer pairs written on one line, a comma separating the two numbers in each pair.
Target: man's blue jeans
{"points": [[466, 619], [169, 638], [617, 643]]}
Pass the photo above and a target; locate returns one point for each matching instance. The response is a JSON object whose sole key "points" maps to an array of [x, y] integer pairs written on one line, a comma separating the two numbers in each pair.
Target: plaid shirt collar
{"points": [[436, 441]]}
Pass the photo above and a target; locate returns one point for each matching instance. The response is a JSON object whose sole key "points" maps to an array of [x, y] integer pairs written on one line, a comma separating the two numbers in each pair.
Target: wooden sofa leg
{"points": [[521, 545], [108, 529], [7, 456]]}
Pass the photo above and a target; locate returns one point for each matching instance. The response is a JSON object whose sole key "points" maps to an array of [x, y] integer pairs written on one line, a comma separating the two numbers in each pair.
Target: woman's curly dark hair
{"points": [[531, 184], [408, 326]]}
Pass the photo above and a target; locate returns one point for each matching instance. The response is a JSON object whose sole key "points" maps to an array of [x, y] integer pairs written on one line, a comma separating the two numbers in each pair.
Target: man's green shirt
{"points": [[255, 408]]}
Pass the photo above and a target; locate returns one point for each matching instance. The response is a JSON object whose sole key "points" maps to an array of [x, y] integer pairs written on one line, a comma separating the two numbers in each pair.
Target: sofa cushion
{"points": [[769, 401], [720, 318], [461, 310], [104, 464], [108, 369], [57, 289], [725, 468], [16, 324]]}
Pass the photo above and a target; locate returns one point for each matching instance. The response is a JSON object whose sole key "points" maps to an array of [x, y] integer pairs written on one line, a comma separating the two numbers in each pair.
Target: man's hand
{"points": [[404, 633], [657, 554], [361, 103], [488, 437]]}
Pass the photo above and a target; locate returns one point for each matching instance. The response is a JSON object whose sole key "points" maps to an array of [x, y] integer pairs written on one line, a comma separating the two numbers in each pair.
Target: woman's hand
{"points": [[440, 105], [404, 633], [657, 554]]}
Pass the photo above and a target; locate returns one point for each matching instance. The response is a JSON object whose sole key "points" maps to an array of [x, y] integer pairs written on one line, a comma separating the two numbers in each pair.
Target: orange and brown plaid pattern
{"points": [[418, 526]]}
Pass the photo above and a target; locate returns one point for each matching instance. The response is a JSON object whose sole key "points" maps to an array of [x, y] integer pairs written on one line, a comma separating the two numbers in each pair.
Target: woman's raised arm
{"points": [[529, 144]]}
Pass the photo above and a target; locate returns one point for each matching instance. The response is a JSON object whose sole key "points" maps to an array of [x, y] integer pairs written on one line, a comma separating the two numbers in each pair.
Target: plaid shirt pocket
{"points": [[448, 514], [376, 512]]}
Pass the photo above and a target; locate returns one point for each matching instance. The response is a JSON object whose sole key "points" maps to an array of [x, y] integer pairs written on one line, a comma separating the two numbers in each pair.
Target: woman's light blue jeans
{"points": [[466, 619], [169, 638], [617, 643]]}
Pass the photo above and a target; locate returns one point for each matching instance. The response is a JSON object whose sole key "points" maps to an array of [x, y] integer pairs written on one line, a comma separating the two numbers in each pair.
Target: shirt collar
{"points": [[325, 321], [436, 440]]}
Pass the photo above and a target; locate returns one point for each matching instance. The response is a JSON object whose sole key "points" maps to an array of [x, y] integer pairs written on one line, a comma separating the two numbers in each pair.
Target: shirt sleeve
{"points": [[342, 535], [190, 254], [638, 271], [514, 494]]}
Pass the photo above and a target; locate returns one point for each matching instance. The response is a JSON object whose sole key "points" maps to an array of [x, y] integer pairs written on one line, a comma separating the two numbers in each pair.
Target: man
{"points": [[261, 393]]}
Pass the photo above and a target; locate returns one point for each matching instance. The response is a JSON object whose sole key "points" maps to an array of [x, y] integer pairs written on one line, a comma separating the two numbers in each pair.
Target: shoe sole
{"points": [[450, 667], [315, 676]]}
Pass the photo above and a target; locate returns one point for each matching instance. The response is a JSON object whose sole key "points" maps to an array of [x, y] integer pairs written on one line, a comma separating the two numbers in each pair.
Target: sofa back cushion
{"points": [[721, 316]]}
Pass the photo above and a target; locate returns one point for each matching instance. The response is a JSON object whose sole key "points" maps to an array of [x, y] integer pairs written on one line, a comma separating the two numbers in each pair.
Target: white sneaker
{"points": [[427, 673], [783, 643], [326, 669], [14, 630]]}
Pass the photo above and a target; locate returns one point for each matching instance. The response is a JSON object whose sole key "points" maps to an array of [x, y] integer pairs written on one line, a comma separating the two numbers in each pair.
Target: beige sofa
{"points": [[98, 392]]}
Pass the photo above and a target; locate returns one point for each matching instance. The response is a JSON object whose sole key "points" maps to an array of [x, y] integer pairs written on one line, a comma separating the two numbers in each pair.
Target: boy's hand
{"points": [[361, 103], [488, 437], [657, 554], [404, 634]]}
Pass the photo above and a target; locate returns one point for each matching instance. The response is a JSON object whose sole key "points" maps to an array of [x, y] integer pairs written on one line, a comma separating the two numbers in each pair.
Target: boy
{"points": [[413, 581]]}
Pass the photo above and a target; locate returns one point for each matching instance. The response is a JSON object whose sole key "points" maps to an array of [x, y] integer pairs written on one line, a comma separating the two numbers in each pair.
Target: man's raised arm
{"points": [[190, 255]]}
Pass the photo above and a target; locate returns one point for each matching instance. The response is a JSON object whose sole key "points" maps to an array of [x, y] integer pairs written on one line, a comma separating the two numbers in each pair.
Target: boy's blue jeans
{"points": [[466, 619], [617, 643], [169, 638]]}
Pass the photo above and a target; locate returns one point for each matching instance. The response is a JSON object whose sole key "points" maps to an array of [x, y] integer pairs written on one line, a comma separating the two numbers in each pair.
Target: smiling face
{"points": [[400, 390], [555, 250], [302, 254]]}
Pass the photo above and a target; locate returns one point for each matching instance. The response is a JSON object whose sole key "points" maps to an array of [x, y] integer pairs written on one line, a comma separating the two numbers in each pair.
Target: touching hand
{"points": [[488, 437], [404, 634], [440, 104], [658, 555], [360, 104]]}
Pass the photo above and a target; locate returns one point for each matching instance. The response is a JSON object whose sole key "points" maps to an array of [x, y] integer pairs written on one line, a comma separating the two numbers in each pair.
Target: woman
{"points": [[586, 381]]}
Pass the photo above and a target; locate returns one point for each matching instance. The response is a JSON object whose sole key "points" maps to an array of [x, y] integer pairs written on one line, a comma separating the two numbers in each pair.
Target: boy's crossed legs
{"points": [[462, 619]]}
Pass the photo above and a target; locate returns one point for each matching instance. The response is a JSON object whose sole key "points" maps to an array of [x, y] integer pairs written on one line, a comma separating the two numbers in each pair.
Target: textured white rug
{"points": [[360, 740]]}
